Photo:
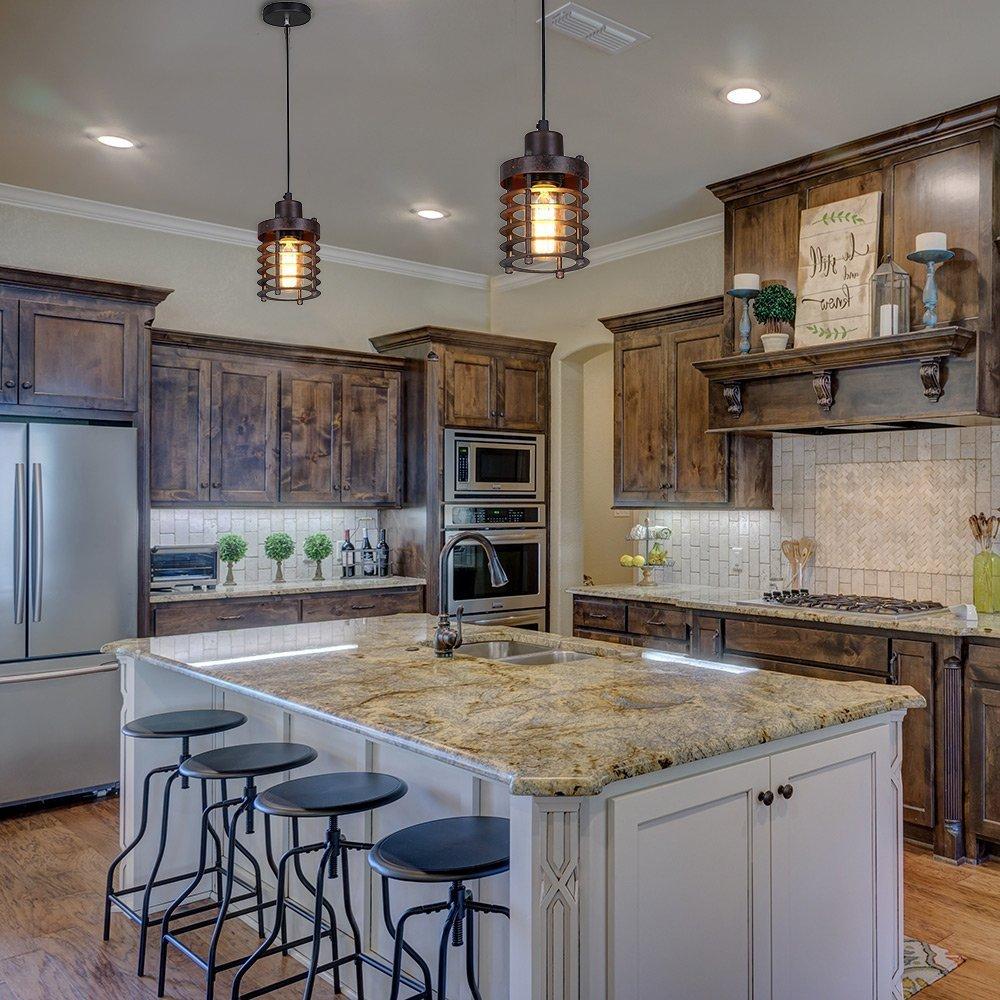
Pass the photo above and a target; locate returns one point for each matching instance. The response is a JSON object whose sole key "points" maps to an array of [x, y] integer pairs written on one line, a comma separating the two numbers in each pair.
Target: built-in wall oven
{"points": [[518, 533], [480, 465]]}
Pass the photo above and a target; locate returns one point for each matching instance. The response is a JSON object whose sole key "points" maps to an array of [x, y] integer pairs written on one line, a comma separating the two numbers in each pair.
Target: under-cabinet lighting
{"points": [[726, 668], [257, 657]]}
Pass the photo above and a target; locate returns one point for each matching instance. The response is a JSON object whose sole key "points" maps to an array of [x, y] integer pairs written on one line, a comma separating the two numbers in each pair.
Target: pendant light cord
{"points": [[288, 118], [542, 4]]}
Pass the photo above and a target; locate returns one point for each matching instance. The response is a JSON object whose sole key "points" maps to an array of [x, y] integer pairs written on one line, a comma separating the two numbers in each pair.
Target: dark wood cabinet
{"points": [[664, 454], [361, 604], [522, 393], [982, 758], [179, 428], [371, 471], [470, 382], [8, 350], [311, 422], [77, 356], [503, 391], [913, 663]]}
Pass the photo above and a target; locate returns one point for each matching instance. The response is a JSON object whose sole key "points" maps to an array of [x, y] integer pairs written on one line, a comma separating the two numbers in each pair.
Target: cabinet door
{"points": [[983, 754], [700, 458], [832, 936], [79, 357], [310, 435], [690, 873], [470, 389], [179, 428], [643, 404], [8, 350], [915, 666], [244, 433], [371, 439], [523, 392]]}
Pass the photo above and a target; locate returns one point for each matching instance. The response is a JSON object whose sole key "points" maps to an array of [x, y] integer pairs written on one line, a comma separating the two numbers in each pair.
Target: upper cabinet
{"points": [[241, 423], [488, 381], [664, 455], [935, 175], [69, 344]]}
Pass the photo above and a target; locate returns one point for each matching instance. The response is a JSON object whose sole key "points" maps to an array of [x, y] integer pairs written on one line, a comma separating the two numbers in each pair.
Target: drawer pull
{"points": [[658, 622], [362, 607], [229, 618], [594, 614]]}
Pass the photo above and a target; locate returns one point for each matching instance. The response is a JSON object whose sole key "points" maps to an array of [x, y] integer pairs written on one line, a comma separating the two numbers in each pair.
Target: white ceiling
{"points": [[399, 103]]}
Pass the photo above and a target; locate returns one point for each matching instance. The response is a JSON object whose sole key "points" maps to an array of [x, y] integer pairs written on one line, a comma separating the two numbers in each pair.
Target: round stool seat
{"points": [[330, 794], [246, 760], [445, 850], [190, 722]]}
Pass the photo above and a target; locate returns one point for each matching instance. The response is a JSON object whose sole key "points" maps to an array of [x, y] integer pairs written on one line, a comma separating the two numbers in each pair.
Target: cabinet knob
{"points": [[785, 791], [204, 486], [10, 383], [25, 385], [216, 486], [666, 486], [766, 797]]}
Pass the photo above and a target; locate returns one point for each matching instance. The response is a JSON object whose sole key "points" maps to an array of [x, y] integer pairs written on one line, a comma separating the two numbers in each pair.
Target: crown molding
{"points": [[696, 229], [99, 211]]}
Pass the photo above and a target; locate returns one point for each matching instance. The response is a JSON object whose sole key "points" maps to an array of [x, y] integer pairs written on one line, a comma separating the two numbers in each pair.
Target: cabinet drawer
{"points": [[658, 620], [599, 612], [214, 615], [797, 643], [361, 604]]}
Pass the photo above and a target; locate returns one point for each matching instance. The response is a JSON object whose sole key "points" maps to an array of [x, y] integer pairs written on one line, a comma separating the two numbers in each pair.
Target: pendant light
{"points": [[289, 244], [542, 202]]}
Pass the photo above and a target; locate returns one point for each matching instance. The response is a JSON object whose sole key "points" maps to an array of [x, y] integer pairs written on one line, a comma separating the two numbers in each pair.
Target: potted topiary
{"points": [[774, 307], [317, 547], [232, 549], [279, 547]]}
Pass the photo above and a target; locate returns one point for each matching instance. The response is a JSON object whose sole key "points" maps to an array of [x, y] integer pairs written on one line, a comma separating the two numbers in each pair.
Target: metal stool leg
{"points": [[442, 980], [397, 952], [317, 936], [359, 966], [470, 952], [227, 895], [331, 916], [413, 953]]}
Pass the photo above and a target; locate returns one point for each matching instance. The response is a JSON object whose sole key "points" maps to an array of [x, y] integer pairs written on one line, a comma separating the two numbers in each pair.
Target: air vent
{"points": [[594, 29]]}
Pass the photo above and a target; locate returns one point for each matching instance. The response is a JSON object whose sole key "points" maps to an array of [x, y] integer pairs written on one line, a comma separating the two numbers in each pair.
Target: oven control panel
{"points": [[462, 464], [499, 516]]}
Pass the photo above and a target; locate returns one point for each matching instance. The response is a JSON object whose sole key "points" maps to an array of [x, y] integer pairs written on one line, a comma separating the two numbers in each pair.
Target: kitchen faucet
{"points": [[446, 638]]}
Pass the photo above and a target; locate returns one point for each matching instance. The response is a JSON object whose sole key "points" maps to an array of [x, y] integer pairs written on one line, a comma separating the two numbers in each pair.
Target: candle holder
{"points": [[746, 294], [930, 259]]}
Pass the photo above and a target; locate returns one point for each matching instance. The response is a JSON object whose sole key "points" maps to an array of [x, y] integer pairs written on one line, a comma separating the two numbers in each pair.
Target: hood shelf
{"points": [[928, 378]]}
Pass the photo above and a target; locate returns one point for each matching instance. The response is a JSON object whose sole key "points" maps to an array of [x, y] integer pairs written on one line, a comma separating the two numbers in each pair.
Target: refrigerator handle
{"points": [[20, 554], [36, 542]]}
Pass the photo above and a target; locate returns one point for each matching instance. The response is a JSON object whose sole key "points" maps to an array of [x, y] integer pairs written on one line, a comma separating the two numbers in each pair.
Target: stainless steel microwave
{"points": [[479, 465]]}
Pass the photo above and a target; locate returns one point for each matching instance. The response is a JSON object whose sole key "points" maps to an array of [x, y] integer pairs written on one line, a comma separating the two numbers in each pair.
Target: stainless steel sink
{"points": [[549, 656], [500, 649]]}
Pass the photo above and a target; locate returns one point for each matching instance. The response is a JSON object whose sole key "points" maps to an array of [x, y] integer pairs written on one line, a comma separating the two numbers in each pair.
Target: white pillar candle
{"points": [[888, 320], [746, 281], [932, 241]]}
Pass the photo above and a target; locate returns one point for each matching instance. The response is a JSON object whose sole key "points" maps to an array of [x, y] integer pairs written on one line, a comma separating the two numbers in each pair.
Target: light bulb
{"points": [[289, 263], [544, 220]]}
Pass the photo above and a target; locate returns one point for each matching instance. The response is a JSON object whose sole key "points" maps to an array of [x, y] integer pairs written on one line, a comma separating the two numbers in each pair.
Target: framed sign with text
{"points": [[838, 252]]}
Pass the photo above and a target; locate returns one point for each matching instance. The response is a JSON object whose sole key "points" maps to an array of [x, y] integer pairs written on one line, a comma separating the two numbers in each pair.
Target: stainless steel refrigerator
{"points": [[68, 583]]}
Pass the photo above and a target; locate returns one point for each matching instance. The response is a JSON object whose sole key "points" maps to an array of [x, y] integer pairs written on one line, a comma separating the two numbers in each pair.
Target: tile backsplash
{"points": [[201, 526], [888, 512]]}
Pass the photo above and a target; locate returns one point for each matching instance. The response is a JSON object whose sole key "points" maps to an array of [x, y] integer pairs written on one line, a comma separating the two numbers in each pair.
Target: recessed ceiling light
{"points": [[115, 141], [431, 214], [744, 95]]}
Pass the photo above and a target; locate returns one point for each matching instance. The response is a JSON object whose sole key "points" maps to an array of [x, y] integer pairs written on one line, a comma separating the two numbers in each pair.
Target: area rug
{"points": [[924, 964]]}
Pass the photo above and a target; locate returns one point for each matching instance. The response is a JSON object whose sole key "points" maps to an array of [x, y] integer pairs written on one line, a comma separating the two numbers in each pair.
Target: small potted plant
{"points": [[773, 308], [232, 549], [317, 548], [279, 547]]}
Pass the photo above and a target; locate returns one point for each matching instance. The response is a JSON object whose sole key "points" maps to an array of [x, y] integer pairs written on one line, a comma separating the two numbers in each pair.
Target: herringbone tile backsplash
{"points": [[888, 512]]}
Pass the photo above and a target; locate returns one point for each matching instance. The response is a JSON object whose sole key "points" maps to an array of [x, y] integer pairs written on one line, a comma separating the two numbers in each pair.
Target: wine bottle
{"points": [[382, 555], [347, 555], [367, 557]]}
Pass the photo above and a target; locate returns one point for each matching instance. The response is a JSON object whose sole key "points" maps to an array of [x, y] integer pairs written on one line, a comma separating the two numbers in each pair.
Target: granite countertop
{"points": [[735, 601], [561, 729], [292, 587]]}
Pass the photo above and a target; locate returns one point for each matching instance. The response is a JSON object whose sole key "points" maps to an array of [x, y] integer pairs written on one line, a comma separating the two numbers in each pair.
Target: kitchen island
{"points": [[648, 859]]}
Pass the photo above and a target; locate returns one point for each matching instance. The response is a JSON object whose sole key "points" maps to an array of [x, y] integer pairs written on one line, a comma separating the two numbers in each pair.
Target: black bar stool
{"points": [[247, 761], [182, 725], [322, 796], [443, 850]]}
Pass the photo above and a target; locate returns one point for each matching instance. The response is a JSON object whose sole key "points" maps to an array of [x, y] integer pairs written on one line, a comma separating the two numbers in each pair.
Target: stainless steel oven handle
{"points": [[37, 542], [501, 536], [20, 555]]}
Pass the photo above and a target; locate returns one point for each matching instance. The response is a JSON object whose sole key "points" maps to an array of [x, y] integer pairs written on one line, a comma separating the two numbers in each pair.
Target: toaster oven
{"points": [[173, 566]]}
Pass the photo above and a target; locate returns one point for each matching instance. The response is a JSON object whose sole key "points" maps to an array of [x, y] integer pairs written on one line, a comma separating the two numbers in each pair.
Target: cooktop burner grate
{"points": [[889, 607]]}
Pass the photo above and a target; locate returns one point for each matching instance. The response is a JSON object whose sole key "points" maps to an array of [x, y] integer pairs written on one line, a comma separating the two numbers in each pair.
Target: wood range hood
{"points": [[941, 174]]}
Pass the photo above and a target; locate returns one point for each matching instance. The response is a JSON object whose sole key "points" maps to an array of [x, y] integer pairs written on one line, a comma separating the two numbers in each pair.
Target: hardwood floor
{"points": [[52, 867]]}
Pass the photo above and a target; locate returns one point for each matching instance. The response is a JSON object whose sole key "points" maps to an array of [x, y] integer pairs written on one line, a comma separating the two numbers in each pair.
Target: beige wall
{"points": [[215, 283], [567, 312]]}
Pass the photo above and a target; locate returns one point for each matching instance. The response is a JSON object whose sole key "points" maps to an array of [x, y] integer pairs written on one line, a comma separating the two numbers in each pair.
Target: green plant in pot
{"points": [[317, 548], [774, 308], [232, 549], [279, 547]]}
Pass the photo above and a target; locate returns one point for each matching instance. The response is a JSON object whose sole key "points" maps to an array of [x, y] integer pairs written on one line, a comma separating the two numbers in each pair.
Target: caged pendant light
{"points": [[542, 202], [288, 254]]}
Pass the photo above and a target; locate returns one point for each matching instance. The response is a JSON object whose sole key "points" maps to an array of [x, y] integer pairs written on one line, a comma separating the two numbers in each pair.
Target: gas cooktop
{"points": [[887, 607]]}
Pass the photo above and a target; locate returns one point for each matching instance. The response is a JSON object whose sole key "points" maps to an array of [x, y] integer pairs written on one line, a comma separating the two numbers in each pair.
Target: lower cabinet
{"points": [[220, 614], [759, 877], [982, 706]]}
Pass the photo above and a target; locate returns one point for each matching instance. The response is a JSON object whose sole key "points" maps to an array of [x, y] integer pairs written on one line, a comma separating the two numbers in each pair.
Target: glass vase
{"points": [[982, 582], [995, 559]]}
